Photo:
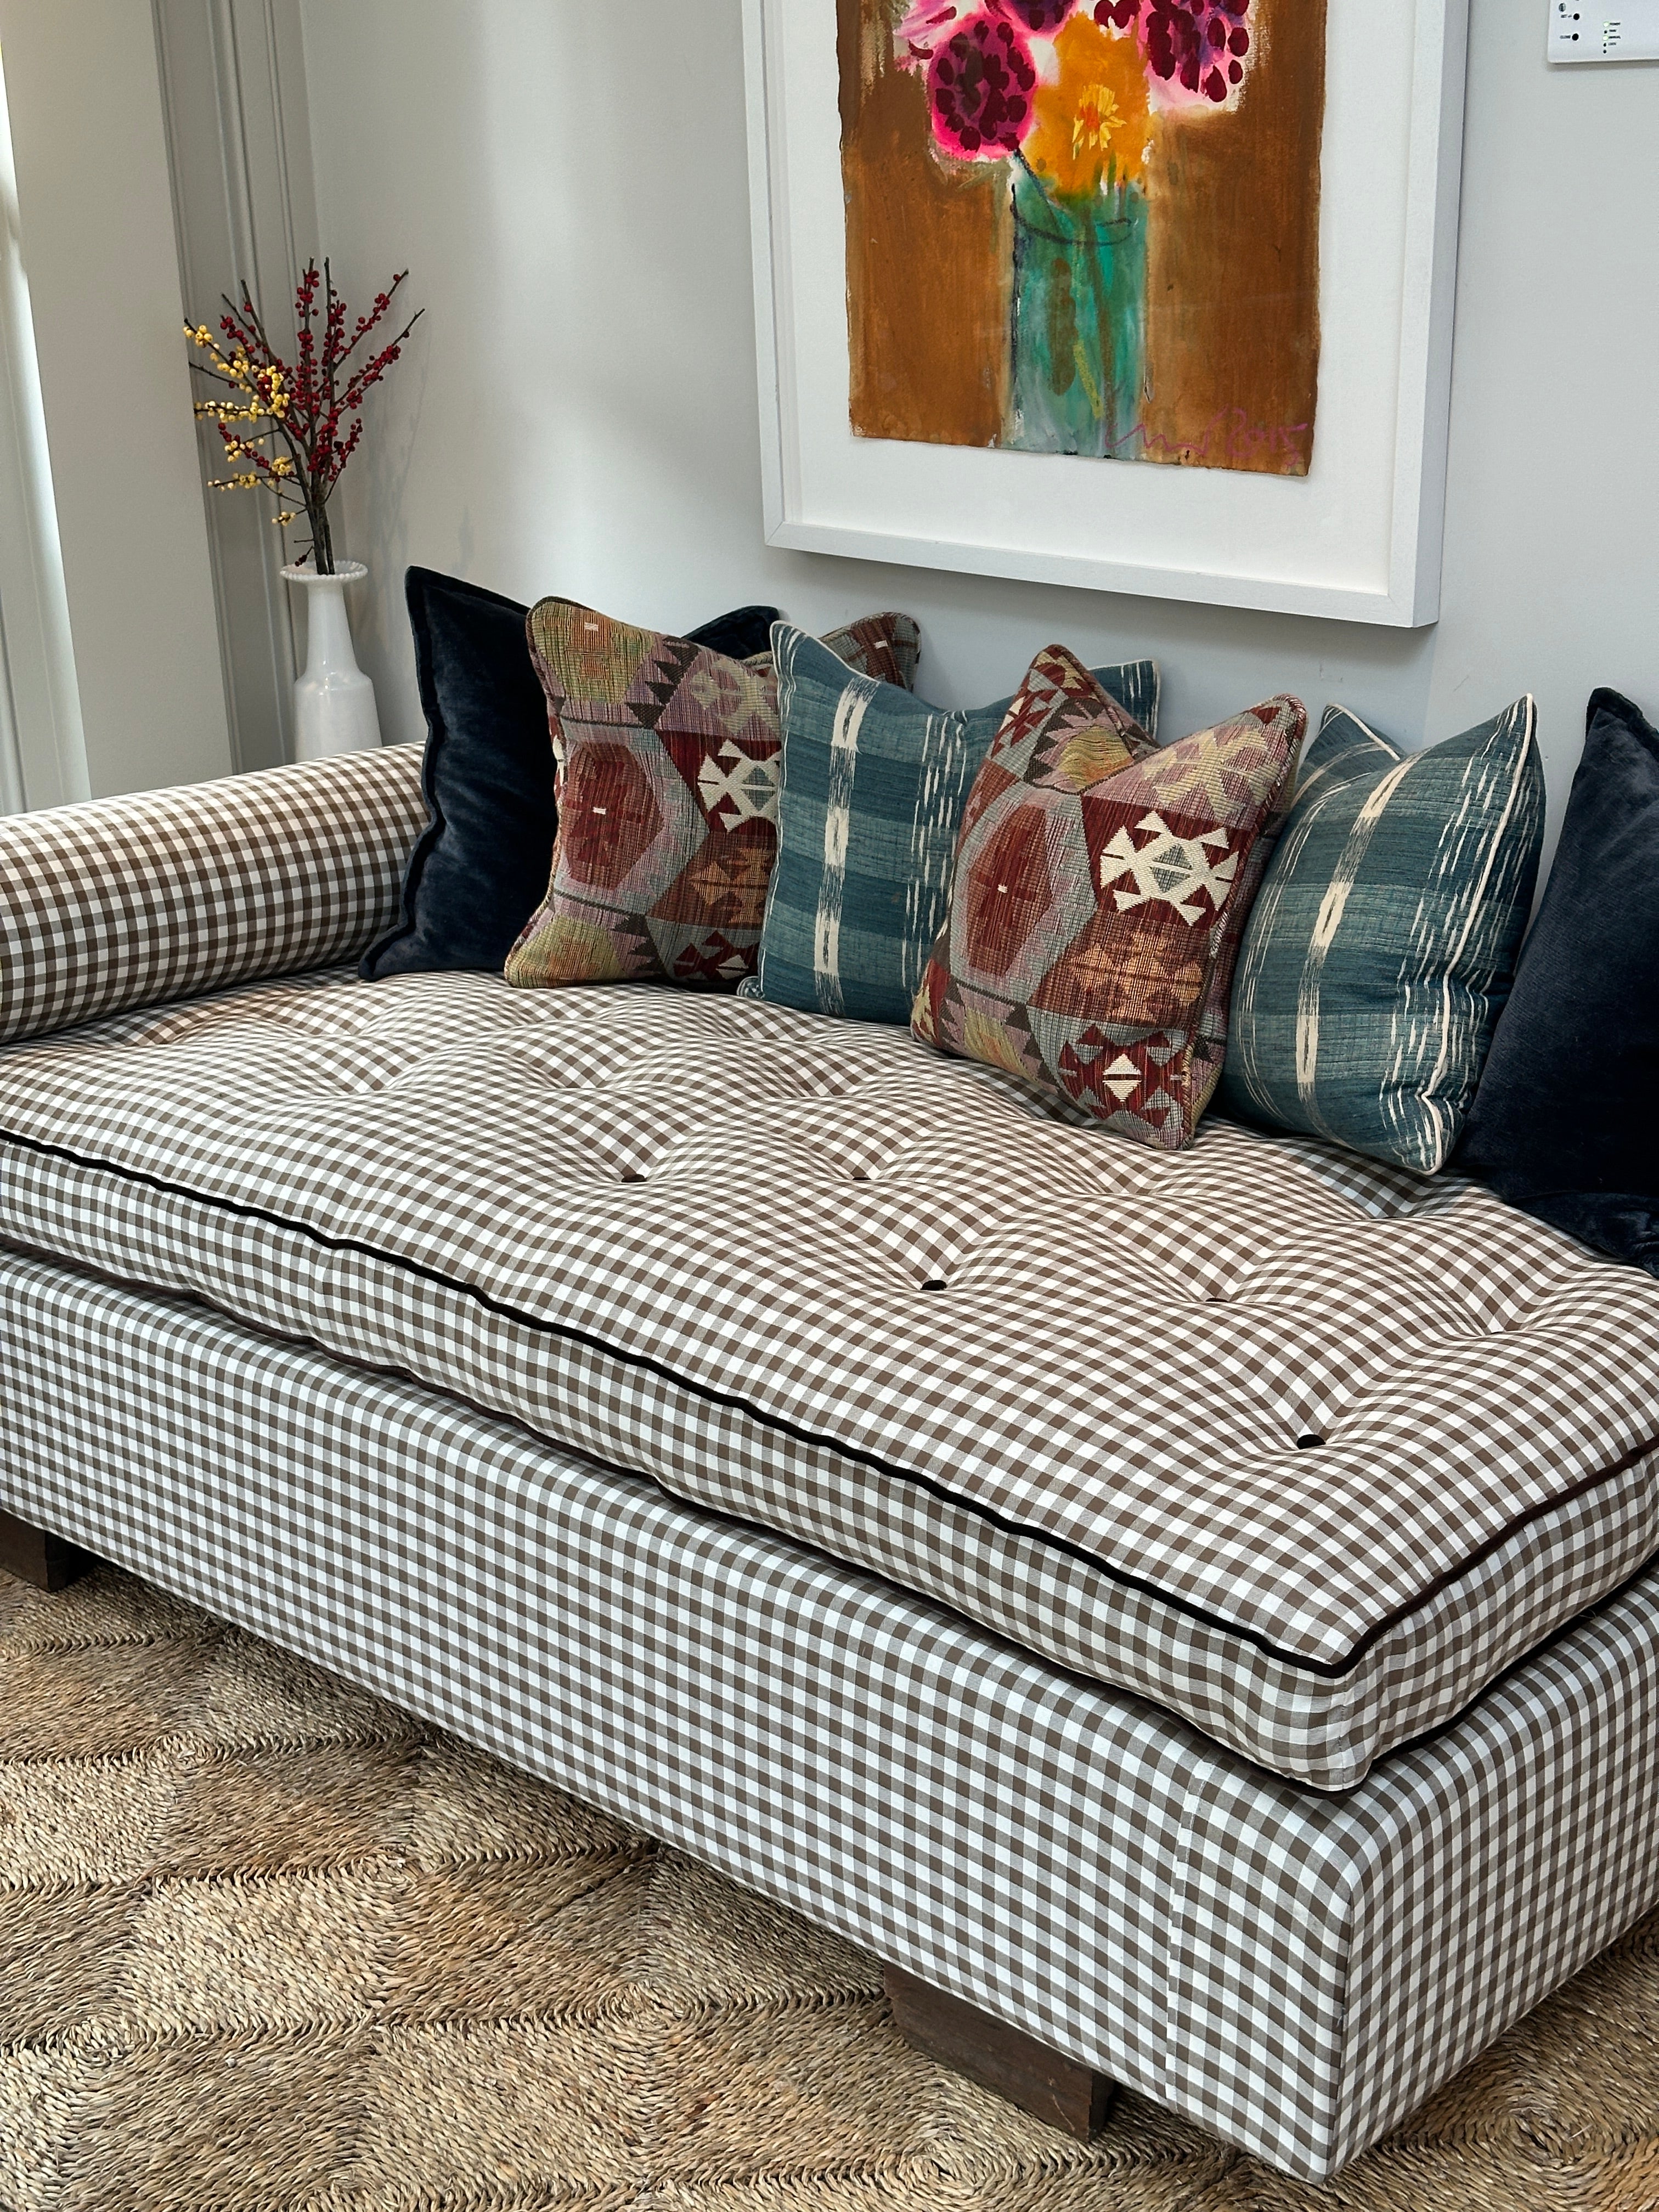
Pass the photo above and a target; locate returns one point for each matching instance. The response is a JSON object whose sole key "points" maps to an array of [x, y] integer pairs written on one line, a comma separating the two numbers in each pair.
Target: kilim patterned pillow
{"points": [[873, 784], [1099, 893], [667, 760], [1381, 951], [482, 861]]}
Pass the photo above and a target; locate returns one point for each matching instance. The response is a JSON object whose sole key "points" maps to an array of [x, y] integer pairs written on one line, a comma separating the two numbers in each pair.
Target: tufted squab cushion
{"points": [[814, 1276]]}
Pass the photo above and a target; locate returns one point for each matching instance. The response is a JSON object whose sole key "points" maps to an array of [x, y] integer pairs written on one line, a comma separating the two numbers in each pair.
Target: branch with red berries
{"points": [[291, 427]]}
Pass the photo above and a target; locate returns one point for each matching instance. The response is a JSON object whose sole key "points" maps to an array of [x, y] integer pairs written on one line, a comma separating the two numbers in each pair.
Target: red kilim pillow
{"points": [[666, 758], [1098, 902]]}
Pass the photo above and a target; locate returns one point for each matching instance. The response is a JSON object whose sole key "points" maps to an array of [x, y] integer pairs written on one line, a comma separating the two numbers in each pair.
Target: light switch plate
{"points": [[1604, 30]]}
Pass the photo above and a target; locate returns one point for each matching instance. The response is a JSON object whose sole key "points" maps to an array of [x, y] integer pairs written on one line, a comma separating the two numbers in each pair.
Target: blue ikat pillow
{"points": [[1383, 941]]}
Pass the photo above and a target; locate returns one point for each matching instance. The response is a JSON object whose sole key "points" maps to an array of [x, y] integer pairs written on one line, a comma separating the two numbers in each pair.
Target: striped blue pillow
{"points": [[874, 783], [1383, 940]]}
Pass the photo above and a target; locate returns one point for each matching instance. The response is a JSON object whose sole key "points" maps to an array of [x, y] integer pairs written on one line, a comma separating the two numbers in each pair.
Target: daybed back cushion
{"points": [[667, 758], [482, 861], [1304, 1448], [1099, 890], [479, 865], [1581, 1153], [162, 894], [1382, 948]]}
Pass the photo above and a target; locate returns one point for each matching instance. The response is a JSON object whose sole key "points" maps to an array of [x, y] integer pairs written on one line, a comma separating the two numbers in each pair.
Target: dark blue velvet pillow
{"points": [[1563, 1124], [479, 867]]}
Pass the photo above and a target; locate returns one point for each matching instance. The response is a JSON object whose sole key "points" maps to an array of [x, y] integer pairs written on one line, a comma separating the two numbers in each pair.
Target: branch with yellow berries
{"points": [[291, 427]]}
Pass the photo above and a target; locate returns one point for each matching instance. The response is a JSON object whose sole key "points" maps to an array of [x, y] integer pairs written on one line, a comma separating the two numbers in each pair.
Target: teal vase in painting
{"points": [[1079, 321]]}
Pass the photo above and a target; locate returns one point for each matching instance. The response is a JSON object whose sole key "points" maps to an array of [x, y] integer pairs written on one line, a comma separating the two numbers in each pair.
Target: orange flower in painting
{"points": [[1092, 126]]}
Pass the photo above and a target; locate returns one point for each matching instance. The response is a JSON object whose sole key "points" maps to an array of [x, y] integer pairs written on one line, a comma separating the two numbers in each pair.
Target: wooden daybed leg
{"points": [[1060, 2091], [51, 1562]]}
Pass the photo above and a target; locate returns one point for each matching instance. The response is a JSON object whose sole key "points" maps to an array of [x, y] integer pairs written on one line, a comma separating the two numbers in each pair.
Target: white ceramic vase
{"points": [[333, 700]]}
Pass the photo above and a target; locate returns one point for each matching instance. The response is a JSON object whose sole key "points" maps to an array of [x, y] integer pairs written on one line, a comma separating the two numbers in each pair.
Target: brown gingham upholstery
{"points": [[811, 1275], [1297, 1972], [131, 902]]}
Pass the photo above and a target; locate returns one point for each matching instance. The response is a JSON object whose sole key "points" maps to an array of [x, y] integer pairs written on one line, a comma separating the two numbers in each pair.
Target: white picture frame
{"points": [[1358, 538]]}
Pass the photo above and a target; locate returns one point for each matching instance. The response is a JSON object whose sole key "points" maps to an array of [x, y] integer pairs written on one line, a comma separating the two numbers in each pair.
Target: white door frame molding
{"points": [[96, 221], [244, 206], [43, 758]]}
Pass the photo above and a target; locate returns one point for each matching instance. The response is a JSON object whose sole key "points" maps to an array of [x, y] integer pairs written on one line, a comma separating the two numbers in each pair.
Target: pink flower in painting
{"points": [[980, 84], [1200, 45], [1042, 17], [928, 23]]}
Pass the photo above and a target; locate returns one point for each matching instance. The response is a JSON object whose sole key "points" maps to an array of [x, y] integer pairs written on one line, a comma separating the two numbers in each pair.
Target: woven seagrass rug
{"points": [[268, 1946]]}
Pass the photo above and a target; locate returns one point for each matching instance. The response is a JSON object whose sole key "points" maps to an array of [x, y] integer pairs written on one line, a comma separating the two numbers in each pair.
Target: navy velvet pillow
{"points": [[480, 866], [1563, 1123]]}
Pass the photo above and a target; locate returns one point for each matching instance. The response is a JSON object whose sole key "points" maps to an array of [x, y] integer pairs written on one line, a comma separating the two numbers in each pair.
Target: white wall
{"points": [[95, 217], [577, 413]]}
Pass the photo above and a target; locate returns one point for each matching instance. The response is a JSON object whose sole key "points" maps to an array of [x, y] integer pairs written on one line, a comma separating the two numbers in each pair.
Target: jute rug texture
{"points": [[268, 1946]]}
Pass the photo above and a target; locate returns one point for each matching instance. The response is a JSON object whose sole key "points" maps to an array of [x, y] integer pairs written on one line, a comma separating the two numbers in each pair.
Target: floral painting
{"points": [[1086, 227]]}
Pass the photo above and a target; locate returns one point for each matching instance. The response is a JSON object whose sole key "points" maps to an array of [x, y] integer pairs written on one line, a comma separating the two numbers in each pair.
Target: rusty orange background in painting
{"points": [[1232, 289]]}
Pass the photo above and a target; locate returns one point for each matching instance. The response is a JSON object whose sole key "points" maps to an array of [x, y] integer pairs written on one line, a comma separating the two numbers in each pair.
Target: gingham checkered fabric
{"points": [[131, 902], [1294, 1971], [809, 1274]]}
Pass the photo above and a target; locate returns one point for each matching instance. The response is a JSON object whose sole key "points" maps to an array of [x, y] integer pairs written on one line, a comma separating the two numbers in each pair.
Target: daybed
{"points": [[1194, 1607]]}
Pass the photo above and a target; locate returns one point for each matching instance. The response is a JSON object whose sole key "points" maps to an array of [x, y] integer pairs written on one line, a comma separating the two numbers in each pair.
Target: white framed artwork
{"points": [[1150, 296]]}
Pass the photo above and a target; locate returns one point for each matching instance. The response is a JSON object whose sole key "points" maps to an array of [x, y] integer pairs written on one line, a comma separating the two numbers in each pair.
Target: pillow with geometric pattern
{"points": [[1099, 891], [667, 763], [870, 805], [488, 774]]}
